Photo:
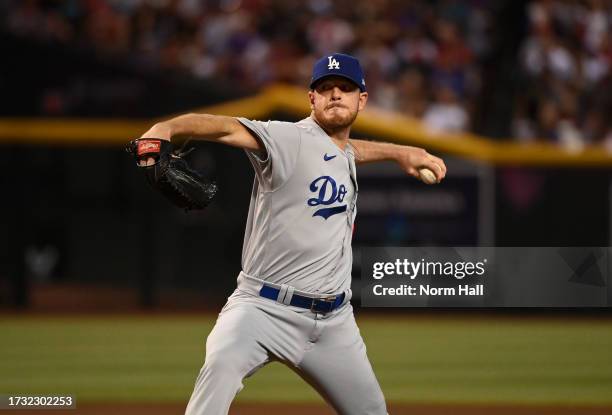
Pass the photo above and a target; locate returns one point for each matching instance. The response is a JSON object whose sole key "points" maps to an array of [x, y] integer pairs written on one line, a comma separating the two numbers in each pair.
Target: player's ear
{"points": [[363, 99], [311, 99]]}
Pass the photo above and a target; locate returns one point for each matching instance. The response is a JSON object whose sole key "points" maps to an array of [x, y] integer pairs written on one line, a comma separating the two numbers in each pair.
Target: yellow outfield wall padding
{"points": [[293, 101]]}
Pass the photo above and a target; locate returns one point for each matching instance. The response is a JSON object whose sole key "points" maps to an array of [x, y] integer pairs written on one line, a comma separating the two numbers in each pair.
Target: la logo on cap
{"points": [[333, 63]]}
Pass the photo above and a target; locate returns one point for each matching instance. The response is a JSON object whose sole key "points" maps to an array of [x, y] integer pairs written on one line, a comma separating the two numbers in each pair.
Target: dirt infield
{"points": [[310, 409]]}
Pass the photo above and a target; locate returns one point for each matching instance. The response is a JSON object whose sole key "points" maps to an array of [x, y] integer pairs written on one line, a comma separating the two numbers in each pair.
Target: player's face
{"points": [[335, 102]]}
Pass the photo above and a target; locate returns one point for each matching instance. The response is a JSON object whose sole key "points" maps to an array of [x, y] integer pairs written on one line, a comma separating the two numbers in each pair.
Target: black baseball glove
{"points": [[171, 174]]}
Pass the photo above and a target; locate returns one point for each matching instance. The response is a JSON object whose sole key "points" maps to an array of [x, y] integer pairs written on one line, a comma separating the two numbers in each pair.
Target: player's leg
{"points": [[337, 366], [233, 351]]}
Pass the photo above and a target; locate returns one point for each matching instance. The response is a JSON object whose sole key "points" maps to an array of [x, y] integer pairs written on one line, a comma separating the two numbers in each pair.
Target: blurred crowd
{"points": [[566, 93], [420, 57]]}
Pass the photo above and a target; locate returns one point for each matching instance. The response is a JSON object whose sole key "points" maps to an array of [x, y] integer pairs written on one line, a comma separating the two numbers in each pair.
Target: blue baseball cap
{"points": [[338, 64]]}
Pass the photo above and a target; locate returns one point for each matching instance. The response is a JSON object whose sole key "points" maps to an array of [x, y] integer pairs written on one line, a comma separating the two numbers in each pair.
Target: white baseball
{"points": [[427, 176]]}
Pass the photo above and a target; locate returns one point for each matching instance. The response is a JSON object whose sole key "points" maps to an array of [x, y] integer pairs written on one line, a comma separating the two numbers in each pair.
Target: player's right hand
{"points": [[412, 159]]}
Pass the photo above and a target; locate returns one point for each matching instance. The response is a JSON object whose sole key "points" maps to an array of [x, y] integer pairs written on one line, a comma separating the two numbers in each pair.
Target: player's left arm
{"points": [[410, 159]]}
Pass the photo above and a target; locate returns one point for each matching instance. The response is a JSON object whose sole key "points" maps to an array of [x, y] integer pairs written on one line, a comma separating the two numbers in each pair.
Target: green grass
{"points": [[157, 358]]}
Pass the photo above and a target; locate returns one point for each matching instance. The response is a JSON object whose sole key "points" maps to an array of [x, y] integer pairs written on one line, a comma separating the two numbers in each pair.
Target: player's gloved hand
{"points": [[413, 159], [167, 172], [158, 131]]}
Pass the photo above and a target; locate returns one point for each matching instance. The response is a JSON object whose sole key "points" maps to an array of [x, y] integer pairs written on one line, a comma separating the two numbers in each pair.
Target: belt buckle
{"points": [[329, 300]]}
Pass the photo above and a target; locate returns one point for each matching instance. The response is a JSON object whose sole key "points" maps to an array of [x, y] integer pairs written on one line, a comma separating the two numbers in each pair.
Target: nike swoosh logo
{"points": [[328, 158]]}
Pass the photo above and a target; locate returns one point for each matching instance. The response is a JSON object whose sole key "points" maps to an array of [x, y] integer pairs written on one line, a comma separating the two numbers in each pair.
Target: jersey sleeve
{"points": [[281, 141]]}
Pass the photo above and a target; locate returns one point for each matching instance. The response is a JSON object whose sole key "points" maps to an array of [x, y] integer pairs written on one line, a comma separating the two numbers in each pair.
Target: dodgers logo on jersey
{"points": [[332, 63], [328, 193]]}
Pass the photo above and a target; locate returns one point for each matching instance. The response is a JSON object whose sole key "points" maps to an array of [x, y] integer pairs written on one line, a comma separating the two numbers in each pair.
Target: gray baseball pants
{"points": [[326, 350]]}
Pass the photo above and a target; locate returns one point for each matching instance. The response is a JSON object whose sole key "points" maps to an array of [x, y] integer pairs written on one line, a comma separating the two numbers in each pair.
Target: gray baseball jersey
{"points": [[300, 221], [298, 234]]}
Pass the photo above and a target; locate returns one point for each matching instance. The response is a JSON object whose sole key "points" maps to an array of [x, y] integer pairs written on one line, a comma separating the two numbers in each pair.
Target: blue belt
{"points": [[316, 305]]}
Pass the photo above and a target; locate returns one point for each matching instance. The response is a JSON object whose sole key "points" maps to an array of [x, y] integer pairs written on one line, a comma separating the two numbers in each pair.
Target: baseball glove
{"points": [[171, 174]]}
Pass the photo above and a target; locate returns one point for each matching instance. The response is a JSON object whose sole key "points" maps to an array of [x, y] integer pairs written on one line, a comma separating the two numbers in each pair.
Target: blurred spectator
{"points": [[415, 48], [412, 87], [453, 59], [445, 114]]}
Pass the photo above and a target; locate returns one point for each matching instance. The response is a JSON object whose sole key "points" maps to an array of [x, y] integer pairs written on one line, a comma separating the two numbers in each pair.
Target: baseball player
{"points": [[292, 302]]}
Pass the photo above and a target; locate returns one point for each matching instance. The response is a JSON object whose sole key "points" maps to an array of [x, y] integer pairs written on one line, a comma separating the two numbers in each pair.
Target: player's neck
{"points": [[339, 136]]}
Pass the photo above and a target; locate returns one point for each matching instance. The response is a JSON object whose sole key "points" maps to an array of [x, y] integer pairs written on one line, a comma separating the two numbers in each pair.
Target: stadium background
{"points": [[108, 292]]}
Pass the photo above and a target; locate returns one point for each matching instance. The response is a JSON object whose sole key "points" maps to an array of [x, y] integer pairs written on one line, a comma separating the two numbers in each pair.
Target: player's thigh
{"points": [[236, 341], [338, 367]]}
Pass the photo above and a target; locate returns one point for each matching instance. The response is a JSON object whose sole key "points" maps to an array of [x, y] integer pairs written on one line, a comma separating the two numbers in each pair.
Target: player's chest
{"points": [[328, 178]]}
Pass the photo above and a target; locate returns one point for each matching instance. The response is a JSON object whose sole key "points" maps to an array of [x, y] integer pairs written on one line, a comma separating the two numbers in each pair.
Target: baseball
{"points": [[427, 176]]}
